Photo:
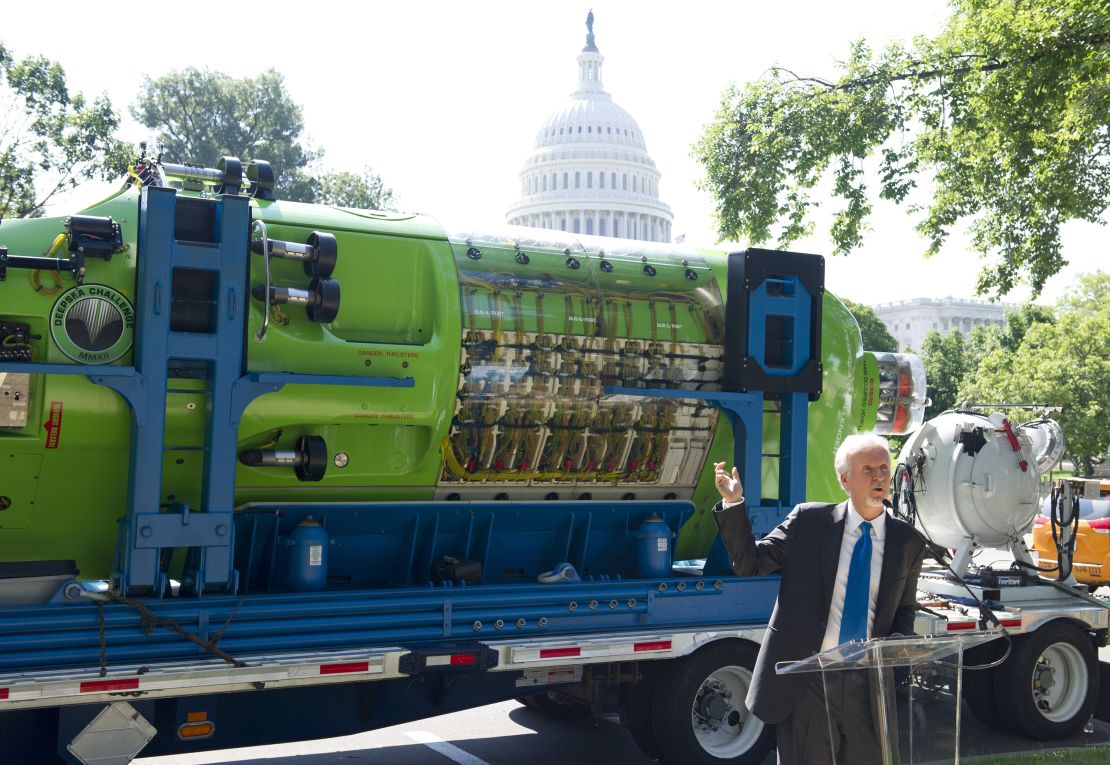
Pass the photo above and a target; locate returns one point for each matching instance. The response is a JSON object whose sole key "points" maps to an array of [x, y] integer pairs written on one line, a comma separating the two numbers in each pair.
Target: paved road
{"points": [[499, 734], [509, 734]]}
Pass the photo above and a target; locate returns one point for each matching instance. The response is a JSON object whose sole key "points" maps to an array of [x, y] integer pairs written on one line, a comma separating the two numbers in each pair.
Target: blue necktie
{"points": [[853, 621]]}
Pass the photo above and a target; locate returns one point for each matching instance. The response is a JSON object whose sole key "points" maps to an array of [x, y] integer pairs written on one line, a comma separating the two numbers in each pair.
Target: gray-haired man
{"points": [[849, 571]]}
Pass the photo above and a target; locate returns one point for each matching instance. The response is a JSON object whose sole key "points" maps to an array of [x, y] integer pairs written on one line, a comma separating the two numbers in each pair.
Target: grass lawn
{"points": [[1099, 755]]}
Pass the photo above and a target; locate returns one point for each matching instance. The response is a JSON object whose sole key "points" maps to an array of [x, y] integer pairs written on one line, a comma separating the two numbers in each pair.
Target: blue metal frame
{"points": [[145, 529], [745, 410], [514, 542], [794, 303], [53, 638]]}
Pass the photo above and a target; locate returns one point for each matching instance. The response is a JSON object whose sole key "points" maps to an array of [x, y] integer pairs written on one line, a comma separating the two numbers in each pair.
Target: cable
{"points": [[942, 556], [1065, 555], [905, 504], [905, 486]]}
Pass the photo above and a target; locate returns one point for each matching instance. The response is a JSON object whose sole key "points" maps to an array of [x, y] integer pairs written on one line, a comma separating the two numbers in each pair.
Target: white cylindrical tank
{"points": [[972, 483]]}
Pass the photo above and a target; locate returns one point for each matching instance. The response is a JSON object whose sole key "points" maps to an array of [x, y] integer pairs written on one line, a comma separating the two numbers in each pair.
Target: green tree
{"points": [[1064, 363], [50, 139], [363, 191], [981, 342], [1089, 294], [1018, 323], [946, 366], [1004, 110], [875, 334], [201, 115], [984, 339]]}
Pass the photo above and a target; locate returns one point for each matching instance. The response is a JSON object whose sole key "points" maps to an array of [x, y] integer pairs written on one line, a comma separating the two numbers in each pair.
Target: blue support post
{"points": [[773, 352], [147, 530]]}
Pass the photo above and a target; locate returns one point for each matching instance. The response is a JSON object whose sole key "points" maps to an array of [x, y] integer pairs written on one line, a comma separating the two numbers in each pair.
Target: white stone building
{"points": [[590, 172], [910, 320]]}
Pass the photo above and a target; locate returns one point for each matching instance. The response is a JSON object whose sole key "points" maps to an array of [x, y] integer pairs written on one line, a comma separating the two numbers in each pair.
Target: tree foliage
{"points": [[201, 115], [876, 337], [364, 191], [1019, 322], [1089, 294], [982, 340], [946, 366], [1065, 363], [1005, 111], [50, 139]]}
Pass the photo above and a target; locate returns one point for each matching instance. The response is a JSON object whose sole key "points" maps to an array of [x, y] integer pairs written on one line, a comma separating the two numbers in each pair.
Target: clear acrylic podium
{"points": [[892, 701]]}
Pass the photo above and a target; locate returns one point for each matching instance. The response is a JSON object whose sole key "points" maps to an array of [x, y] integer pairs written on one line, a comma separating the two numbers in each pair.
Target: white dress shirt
{"points": [[852, 521]]}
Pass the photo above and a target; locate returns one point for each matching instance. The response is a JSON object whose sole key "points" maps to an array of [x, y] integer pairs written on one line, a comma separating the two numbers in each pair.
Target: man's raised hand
{"points": [[729, 486]]}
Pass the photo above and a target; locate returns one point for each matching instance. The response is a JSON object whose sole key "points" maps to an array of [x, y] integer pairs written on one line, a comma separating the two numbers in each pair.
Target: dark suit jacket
{"points": [[805, 547]]}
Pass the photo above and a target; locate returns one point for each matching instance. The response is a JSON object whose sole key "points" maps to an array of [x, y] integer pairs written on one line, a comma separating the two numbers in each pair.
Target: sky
{"points": [[444, 99]]}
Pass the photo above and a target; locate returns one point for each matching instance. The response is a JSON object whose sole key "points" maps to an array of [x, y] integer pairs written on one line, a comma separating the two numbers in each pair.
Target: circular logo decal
{"points": [[92, 324]]}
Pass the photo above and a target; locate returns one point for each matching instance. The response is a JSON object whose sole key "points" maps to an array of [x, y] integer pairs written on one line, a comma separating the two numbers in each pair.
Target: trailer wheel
{"points": [[554, 705], [636, 706], [699, 713], [1047, 689], [979, 694], [978, 684]]}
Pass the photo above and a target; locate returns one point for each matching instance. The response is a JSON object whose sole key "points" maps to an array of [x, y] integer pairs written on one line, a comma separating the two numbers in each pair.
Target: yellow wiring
{"points": [[496, 314], [37, 284], [34, 275], [272, 442], [447, 454], [451, 462], [133, 174], [56, 245]]}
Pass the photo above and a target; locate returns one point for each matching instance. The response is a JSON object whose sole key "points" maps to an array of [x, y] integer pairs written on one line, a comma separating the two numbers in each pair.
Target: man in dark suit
{"points": [[849, 572]]}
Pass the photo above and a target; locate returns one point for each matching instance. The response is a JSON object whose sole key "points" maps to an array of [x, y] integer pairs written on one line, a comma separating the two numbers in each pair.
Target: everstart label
{"points": [[53, 425], [92, 324]]}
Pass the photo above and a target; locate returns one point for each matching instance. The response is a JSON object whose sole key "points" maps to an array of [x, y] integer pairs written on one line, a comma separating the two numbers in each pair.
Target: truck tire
{"points": [[554, 705], [699, 714], [1047, 689], [978, 692], [978, 684], [636, 705]]}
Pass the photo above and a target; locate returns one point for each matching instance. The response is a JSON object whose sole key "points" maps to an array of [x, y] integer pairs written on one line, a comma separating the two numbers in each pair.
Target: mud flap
{"points": [[1102, 706]]}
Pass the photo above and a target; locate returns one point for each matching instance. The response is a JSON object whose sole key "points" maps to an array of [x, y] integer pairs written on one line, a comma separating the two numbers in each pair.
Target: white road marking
{"points": [[450, 751]]}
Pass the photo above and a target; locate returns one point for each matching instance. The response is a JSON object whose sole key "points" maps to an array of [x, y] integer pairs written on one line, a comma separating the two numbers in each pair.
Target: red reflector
{"points": [[3, 693], [464, 659], [961, 626], [100, 686], [339, 669], [657, 645], [1011, 622], [1100, 523], [559, 653]]}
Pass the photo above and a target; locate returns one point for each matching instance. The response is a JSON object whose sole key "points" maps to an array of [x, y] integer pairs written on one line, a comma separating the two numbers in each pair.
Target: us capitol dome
{"points": [[590, 172]]}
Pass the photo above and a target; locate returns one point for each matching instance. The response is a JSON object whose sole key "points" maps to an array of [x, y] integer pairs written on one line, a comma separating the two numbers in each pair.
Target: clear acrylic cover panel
{"points": [[891, 701]]}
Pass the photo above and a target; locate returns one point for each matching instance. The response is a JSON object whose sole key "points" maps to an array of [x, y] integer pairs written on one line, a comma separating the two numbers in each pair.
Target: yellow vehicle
{"points": [[1091, 564]]}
